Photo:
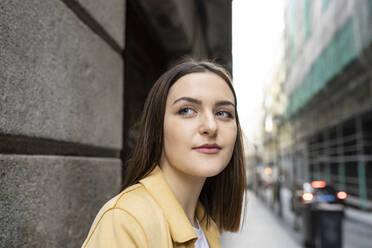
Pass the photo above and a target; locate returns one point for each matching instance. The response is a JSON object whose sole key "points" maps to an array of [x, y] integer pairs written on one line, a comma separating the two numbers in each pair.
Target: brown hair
{"points": [[222, 195]]}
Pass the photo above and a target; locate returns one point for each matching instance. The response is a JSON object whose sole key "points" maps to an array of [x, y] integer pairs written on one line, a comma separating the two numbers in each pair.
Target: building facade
{"points": [[329, 88], [73, 78]]}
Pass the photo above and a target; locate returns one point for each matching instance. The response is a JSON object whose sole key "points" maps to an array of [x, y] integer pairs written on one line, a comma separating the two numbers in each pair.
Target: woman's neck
{"points": [[186, 189]]}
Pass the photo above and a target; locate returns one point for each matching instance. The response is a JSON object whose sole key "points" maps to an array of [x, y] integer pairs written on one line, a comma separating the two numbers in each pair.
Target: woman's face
{"points": [[199, 125]]}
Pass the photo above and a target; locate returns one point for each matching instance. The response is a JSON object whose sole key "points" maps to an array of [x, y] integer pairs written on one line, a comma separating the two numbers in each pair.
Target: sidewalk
{"points": [[261, 229], [359, 215]]}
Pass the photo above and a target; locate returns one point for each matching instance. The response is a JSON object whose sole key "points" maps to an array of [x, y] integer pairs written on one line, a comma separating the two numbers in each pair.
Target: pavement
{"points": [[359, 215], [260, 229], [357, 225], [263, 228]]}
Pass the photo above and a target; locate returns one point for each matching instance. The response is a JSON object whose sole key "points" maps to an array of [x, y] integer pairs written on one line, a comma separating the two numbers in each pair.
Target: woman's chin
{"points": [[208, 170]]}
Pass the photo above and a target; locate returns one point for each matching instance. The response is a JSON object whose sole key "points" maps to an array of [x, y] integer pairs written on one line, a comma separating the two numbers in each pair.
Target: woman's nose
{"points": [[208, 125]]}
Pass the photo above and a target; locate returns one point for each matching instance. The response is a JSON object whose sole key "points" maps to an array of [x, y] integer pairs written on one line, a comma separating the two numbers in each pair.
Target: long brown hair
{"points": [[222, 195]]}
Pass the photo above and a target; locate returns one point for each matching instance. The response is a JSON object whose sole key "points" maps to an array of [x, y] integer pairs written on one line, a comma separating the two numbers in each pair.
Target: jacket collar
{"points": [[212, 233], [179, 225]]}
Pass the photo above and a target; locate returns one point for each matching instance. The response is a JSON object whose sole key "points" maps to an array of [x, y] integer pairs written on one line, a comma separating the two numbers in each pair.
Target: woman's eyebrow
{"points": [[222, 103], [188, 99], [196, 101]]}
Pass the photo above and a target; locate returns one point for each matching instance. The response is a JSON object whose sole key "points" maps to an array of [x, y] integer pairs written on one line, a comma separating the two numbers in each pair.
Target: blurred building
{"points": [[274, 102], [254, 166], [73, 78], [274, 171], [329, 88]]}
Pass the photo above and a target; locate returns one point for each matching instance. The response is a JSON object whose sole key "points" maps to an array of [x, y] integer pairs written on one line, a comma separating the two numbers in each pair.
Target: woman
{"points": [[186, 179]]}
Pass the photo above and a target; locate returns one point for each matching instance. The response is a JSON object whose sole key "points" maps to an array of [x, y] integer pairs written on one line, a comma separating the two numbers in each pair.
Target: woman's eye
{"points": [[224, 114], [186, 111]]}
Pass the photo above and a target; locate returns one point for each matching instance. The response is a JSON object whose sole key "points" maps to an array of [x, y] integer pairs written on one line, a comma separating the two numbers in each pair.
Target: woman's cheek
{"points": [[175, 132], [230, 131]]}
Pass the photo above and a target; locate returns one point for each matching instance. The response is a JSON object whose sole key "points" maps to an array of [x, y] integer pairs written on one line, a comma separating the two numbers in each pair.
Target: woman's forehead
{"points": [[201, 85]]}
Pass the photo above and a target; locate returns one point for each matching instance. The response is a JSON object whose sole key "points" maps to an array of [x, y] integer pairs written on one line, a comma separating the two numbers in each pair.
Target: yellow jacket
{"points": [[147, 214]]}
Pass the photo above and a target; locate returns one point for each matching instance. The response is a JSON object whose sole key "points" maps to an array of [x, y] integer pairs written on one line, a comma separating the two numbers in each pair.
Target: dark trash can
{"points": [[329, 224], [323, 225]]}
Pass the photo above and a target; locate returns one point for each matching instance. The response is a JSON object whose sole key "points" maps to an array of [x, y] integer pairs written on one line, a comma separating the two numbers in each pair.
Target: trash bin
{"points": [[309, 224], [323, 225], [329, 225], [323, 212]]}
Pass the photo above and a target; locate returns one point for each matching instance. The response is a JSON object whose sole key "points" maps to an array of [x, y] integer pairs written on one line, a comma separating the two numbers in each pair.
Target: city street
{"points": [[357, 225], [263, 227], [260, 229]]}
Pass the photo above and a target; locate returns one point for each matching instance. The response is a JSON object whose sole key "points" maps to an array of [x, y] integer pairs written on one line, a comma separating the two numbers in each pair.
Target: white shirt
{"points": [[202, 240]]}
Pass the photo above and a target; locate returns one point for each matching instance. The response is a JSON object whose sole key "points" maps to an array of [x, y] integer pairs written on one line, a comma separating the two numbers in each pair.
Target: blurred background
{"points": [[74, 75], [302, 70]]}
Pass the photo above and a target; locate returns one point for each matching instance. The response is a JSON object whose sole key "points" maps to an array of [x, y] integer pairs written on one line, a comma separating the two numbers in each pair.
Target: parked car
{"points": [[318, 192]]}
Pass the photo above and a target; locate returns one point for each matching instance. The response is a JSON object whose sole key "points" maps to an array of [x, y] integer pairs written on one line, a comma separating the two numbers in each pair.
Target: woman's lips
{"points": [[207, 150]]}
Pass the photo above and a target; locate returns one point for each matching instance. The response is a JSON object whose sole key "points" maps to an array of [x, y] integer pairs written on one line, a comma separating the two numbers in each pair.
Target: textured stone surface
{"points": [[173, 22], [52, 201], [58, 79], [201, 29], [219, 31], [110, 14]]}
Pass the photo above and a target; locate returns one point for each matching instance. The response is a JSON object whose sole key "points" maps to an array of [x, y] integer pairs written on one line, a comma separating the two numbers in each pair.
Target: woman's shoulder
{"points": [[137, 212], [137, 202], [134, 214], [134, 199]]}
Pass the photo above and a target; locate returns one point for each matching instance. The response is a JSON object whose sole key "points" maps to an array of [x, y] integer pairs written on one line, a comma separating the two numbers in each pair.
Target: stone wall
{"points": [[74, 75], [61, 114]]}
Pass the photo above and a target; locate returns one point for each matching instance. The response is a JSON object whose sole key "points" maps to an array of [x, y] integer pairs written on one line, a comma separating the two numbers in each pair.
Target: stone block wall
{"points": [[61, 117], [69, 103]]}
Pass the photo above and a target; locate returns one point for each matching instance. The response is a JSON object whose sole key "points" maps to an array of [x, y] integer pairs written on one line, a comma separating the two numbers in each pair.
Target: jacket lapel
{"points": [[211, 233], [179, 225]]}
